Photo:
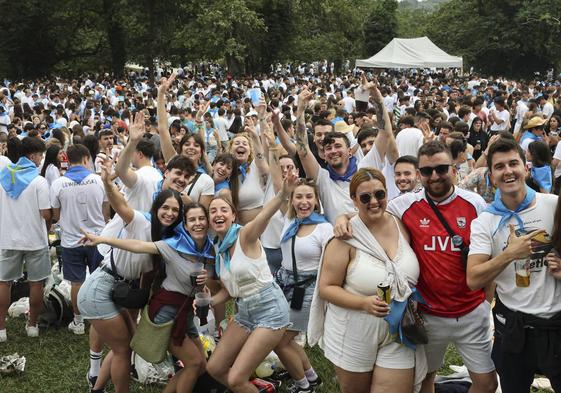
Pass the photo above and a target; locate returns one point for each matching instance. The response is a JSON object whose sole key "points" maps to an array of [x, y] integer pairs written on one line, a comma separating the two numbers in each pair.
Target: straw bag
{"points": [[151, 341]]}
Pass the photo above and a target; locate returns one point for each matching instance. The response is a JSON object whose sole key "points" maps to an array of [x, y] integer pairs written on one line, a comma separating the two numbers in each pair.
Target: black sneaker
{"points": [[297, 389], [91, 380], [316, 382]]}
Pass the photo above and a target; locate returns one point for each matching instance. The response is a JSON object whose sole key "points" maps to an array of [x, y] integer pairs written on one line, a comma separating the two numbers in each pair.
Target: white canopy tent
{"points": [[411, 53]]}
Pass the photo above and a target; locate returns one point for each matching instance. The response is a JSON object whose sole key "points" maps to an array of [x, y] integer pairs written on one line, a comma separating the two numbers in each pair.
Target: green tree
{"points": [[380, 27]]}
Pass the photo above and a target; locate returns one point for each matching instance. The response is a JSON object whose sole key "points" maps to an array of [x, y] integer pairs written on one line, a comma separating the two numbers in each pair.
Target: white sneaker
{"points": [[77, 328], [3, 336], [32, 331]]}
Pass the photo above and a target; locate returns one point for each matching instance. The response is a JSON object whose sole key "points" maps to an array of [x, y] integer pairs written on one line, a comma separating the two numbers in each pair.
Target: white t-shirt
{"points": [[203, 186], [22, 227], [548, 110], [272, 234], [4, 161], [4, 122], [222, 128], [503, 115], [334, 196], [52, 173], [129, 265], [139, 196], [307, 249], [541, 297], [80, 207], [349, 104], [409, 140], [557, 155]]}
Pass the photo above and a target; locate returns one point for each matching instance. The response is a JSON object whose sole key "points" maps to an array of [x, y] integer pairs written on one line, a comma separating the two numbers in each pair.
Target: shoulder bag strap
{"points": [[193, 184], [443, 221], [294, 269]]}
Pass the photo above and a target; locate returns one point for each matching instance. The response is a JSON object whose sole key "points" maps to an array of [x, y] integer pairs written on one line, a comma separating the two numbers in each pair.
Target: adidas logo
{"points": [[424, 222]]}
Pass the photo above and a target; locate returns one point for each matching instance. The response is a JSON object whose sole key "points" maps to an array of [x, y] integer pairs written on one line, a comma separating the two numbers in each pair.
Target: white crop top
{"points": [[251, 193], [246, 275]]}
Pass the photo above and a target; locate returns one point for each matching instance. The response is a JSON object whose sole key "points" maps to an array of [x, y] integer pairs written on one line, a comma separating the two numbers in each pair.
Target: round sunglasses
{"points": [[366, 197]]}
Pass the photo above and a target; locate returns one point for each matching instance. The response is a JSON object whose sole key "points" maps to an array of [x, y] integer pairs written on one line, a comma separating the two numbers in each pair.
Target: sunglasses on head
{"points": [[426, 171], [366, 197], [306, 181]]}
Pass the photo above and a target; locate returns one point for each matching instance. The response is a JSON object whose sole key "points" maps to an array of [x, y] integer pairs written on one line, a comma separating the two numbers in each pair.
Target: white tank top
{"points": [[365, 272], [251, 194], [246, 275]]}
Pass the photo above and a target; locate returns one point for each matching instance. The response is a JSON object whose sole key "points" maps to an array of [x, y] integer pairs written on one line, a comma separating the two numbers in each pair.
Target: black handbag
{"points": [[456, 239], [299, 289], [123, 294]]}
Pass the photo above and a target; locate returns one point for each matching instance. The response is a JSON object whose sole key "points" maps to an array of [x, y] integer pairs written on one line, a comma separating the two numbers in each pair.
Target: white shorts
{"points": [[471, 334], [356, 341]]}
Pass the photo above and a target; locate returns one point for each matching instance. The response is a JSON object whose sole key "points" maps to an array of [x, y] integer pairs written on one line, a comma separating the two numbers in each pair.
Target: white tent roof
{"points": [[411, 53]]}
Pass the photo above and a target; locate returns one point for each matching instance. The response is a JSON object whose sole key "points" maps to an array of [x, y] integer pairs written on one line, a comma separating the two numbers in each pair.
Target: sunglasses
{"points": [[426, 171], [306, 181], [366, 197]]}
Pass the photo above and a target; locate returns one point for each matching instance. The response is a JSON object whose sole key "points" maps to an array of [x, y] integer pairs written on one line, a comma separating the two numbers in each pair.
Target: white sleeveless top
{"points": [[246, 275], [365, 272], [251, 194]]}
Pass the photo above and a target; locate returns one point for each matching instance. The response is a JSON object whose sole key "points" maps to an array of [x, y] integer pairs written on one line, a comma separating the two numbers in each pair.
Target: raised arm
{"points": [[285, 141], [253, 230], [123, 167], [385, 141], [309, 162], [259, 154], [274, 165], [116, 199], [131, 245], [165, 138]]}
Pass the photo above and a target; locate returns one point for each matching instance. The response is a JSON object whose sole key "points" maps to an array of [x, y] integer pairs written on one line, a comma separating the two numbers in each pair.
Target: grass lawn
{"points": [[57, 362]]}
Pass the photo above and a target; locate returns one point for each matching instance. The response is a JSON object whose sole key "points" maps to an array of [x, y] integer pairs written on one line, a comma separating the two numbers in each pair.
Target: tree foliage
{"points": [[510, 37]]}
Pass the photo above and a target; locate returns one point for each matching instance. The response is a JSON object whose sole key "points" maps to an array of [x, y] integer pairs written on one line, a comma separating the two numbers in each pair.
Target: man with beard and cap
{"points": [[453, 313]]}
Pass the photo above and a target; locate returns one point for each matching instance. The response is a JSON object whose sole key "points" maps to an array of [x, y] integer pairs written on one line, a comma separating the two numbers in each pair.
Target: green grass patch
{"points": [[57, 362]]}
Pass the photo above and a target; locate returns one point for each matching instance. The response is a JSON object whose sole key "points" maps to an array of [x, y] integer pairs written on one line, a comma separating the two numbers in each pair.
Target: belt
{"points": [[106, 269]]}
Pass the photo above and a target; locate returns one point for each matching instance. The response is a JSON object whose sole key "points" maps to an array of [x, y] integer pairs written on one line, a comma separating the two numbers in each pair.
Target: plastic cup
{"points": [[202, 302]]}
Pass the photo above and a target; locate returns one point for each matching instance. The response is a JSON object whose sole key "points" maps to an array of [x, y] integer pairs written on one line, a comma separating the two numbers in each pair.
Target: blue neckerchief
{"points": [[529, 135], [54, 125], [16, 177], [223, 185], [542, 176], [394, 318], [201, 169], [292, 230], [351, 169], [499, 209], [182, 242], [147, 215], [158, 189], [224, 247], [243, 170], [77, 173]]}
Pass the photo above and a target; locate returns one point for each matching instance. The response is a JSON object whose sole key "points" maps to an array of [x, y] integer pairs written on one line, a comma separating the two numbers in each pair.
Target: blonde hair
{"points": [[291, 213], [248, 138]]}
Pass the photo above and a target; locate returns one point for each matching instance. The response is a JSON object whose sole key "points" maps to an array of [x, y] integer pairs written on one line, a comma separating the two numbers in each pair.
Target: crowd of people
{"points": [[297, 197]]}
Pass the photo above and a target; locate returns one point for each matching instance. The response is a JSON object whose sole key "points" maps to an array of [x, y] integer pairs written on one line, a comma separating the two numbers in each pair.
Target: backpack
{"points": [[57, 310]]}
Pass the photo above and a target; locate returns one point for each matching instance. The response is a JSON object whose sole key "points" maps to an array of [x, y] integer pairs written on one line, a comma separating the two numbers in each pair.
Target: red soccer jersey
{"points": [[442, 281]]}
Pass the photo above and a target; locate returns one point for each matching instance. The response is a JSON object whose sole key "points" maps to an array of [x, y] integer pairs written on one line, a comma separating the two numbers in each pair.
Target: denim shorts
{"points": [[75, 260], [94, 297], [285, 279], [267, 308], [167, 313]]}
